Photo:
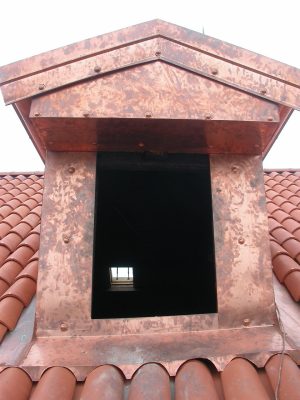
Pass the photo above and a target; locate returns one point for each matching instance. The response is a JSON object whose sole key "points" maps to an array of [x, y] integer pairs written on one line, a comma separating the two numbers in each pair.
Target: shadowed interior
{"points": [[154, 214]]}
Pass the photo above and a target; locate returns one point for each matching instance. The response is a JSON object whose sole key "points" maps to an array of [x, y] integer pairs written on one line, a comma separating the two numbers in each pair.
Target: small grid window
{"points": [[121, 276]]}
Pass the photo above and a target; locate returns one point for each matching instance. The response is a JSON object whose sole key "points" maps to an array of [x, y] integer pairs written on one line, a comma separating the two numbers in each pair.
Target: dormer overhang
{"points": [[152, 87]]}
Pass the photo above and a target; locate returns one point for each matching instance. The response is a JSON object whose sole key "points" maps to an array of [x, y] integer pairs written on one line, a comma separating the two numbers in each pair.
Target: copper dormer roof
{"points": [[97, 94]]}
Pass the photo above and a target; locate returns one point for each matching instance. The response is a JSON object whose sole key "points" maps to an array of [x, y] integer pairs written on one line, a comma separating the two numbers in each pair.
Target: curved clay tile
{"points": [[292, 246], [241, 381], [290, 377], [32, 240], [276, 249], [56, 383], [3, 330], [10, 311], [23, 289], [22, 211], [11, 241], [5, 211], [292, 282], [22, 197], [4, 253], [194, 381], [3, 287], [32, 219], [15, 384], [13, 219], [9, 271], [30, 271], [105, 383], [37, 186], [22, 229], [282, 266], [21, 255], [151, 382], [4, 229], [281, 235], [29, 191]]}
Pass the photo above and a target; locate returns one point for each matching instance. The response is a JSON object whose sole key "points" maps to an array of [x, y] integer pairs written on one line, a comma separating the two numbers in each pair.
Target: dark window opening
{"points": [[153, 219]]}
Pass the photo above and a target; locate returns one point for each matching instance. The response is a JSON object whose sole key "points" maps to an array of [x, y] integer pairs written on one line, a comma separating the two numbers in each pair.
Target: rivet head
{"points": [[148, 114], [270, 119], [71, 170], [234, 169], [246, 322], [141, 145], [41, 86], [208, 116], [37, 114], [158, 53], [263, 91], [214, 71], [241, 240], [66, 238], [86, 114], [63, 327], [97, 69]]}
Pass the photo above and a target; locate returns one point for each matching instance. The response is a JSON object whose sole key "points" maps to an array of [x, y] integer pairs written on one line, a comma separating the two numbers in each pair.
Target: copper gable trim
{"points": [[271, 86], [171, 36]]}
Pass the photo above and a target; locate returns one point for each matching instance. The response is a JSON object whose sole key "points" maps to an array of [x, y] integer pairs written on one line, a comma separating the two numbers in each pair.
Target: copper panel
{"points": [[243, 263], [66, 249], [142, 32], [174, 136], [155, 90]]}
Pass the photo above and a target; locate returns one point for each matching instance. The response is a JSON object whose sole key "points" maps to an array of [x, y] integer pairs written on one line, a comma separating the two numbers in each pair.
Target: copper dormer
{"points": [[153, 139]]}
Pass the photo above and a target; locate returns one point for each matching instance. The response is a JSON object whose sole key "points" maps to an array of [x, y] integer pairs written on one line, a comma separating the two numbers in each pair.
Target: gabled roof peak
{"points": [[112, 60]]}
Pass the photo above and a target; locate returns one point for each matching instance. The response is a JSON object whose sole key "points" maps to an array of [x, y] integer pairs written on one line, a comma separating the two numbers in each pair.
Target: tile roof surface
{"points": [[20, 210], [283, 205], [20, 213], [194, 380]]}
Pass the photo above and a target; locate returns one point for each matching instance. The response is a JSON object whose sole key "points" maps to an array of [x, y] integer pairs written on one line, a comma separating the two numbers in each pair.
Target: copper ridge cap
{"points": [[142, 32]]}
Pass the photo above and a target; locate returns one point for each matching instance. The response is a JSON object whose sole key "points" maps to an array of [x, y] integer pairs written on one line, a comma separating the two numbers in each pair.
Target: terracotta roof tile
{"points": [[4, 253], [194, 381], [148, 377], [292, 282], [32, 219], [23, 289], [10, 311], [56, 383], [21, 255], [112, 384], [15, 384], [290, 377], [241, 381], [9, 271], [22, 229], [11, 241], [3, 330], [3, 287], [284, 265], [30, 271], [4, 229], [13, 219]]}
